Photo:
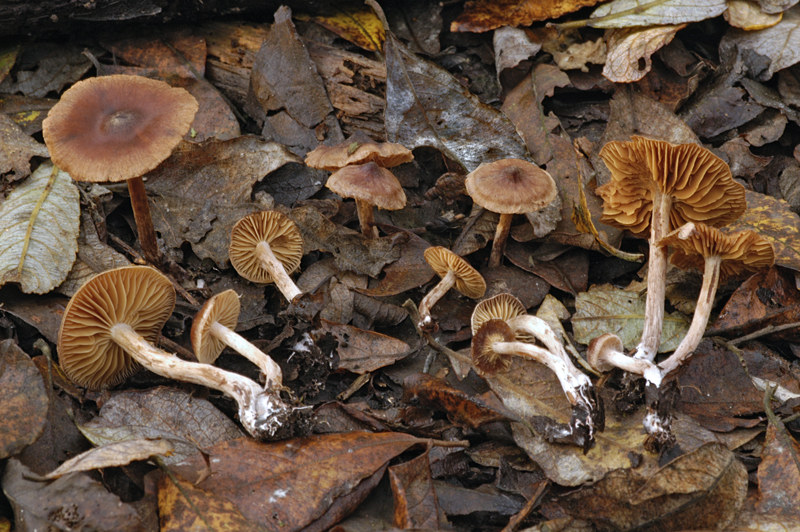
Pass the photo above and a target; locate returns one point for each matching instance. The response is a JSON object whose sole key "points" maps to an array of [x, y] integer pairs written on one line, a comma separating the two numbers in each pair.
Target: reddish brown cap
{"points": [[700, 184], [275, 229], [358, 149], [369, 183], [139, 296], [468, 281], [511, 186], [113, 128], [484, 357], [222, 308], [500, 307]]}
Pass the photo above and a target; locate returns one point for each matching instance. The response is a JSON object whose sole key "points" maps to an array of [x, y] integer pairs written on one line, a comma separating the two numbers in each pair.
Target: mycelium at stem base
{"points": [[282, 281]]}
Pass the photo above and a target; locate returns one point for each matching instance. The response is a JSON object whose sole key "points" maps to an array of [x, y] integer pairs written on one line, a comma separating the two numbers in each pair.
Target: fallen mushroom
{"points": [[266, 247], [720, 256], [117, 128], [656, 187], [606, 352], [509, 187], [455, 272], [212, 330], [501, 307], [108, 329], [358, 149]]}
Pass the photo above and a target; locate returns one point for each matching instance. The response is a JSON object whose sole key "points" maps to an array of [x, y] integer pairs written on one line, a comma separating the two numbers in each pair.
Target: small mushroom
{"points": [[655, 188], [108, 329], [509, 187], [117, 128], [455, 272], [358, 149], [720, 256], [607, 352], [370, 185], [266, 247], [501, 307], [212, 330]]}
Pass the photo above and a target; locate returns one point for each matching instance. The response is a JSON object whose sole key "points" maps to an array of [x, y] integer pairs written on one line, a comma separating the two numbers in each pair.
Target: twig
{"points": [[413, 313], [517, 518], [769, 329]]}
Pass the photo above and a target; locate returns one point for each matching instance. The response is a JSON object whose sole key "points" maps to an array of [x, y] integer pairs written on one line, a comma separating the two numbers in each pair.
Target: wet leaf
{"points": [[23, 400], [72, 502], [258, 478], [629, 51], [650, 13], [698, 490], [363, 351], [408, 272], [41, 220], [17, 149], [605, 309], [187, 423], [774, 220], [779, 475], [356, 23], [485, 15], [202, 190], [112, 455], [415, 504], [427, 106]]}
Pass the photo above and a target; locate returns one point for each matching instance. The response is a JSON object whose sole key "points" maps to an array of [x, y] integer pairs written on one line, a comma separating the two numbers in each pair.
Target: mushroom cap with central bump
{"points": [[222, 308], [700, 183], [113, 128], [511, 186], [275, 229], [138, 296], [358, 149], [500, 307], [369, 183], [468, 281], [484, 357], [597, 353]]}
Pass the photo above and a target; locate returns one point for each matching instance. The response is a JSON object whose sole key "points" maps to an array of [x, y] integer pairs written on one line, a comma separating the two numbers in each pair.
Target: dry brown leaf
{"points": [[485, 15], [363, 351], [23, 400], [415, 504], [579, 54], [748, 16], [408, 272], [113, 455], [629, 51], [779, 475], [511, 47], [17, 149]]}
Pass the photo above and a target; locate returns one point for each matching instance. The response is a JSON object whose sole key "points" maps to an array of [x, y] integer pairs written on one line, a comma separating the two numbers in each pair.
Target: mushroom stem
{"points": [[270, 262], [705, 303], [430, 299], [539, 329], [271, 371], [639, 366], [262, 413], [656, 279], [144, 222], [366, 217], [500, 237]]}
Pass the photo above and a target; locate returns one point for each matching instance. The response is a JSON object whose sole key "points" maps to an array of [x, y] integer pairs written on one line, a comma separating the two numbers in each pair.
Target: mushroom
{"points": [[720, 256], [358, 149], [368, 184], [656, 187], [117, 128], [509, 187], [266, 247], [607, 352], [112, 321], [502, 307], [212, 330], [455, 272]]}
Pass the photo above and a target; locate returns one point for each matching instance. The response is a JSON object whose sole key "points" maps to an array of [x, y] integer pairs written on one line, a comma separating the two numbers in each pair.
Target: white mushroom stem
{"points": [[500, 237], [262, 413], [366, 217], [271, 371], [574, 386], [270, 262], [697, 329], [656, 278], [447, 282], [647, 369]]}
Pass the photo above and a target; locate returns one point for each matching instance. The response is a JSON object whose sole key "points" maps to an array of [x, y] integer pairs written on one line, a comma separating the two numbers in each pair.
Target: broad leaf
{"points": [[629, 13]]}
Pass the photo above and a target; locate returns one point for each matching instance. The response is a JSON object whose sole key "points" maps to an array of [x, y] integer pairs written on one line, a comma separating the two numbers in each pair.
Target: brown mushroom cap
{"points": [[511, 186], [485, 359], [597, 352], [700, 183], [139, 296], [468, 281], [369, 183], [275, 229], [742, 252], [113, 128], [358, 149], [501, 307], [222, 308]]}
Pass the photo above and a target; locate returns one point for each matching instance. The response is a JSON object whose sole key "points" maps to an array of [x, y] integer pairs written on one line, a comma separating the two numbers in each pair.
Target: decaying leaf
{"points": [[606, 309], [779, 475], [408, 272], [746, 15], [17, 149], [378, 312], [415, 504], [8, 56], [485, 15], [579, 54], [166, 50], [363, 351], [630, 13], [356, 23], [478, 231], [511, 47], [113, 455], [629, 51], [340, 303], [40, 220], [23, 400], [55, 65]]}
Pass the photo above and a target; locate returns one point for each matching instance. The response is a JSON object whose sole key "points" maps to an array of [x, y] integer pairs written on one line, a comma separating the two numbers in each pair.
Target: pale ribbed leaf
{"points": [[629, 13]]}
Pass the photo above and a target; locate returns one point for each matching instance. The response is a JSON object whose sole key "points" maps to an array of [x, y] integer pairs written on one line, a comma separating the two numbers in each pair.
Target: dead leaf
{"points": [[631, 13], [8, 56], [42, 313], [408, 272], [415, 504], [56, 65], [478, 231], [17, 149], [511, 47], [363, 351], [377, 313], [356, 23], [779, 475], [742, 161], [485, 15], [528, 288], [27, 112], [765, 128], [416, 23], [23, 400], [629, 51], [747, 15], [340, 303], [112, 455], [568, 272], [578, 54], [162, 50]]}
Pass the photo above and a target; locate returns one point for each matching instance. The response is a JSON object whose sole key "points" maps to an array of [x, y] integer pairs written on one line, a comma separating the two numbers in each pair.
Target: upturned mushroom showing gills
{"points": [[720, 256], [358, 149], [212, 330], [607, 352], [455, 272], [265, 248], [117, 128], [108, 329], [655, 188], [509, 187]]}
